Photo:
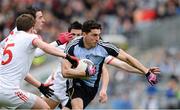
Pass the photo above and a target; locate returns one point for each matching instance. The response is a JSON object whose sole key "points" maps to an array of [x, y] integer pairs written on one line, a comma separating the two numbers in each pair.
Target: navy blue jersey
{"points": [[96, 55]]}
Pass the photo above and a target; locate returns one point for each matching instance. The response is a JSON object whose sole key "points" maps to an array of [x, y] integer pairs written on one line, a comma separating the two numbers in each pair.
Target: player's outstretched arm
{"points": [[43, 88], [150, 73], [62, 39], [39, 52], [105, 81], [48, 48], [132, 61], [122, 65], [30, 79]]}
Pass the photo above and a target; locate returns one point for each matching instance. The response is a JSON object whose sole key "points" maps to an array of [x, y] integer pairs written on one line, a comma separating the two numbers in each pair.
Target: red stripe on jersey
{"points": [[12, 32], [110, 60], [21, 96], [33, 41]]}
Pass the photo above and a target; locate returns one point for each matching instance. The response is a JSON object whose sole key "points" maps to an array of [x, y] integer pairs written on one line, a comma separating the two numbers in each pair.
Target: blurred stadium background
{"points": [[147, 29]]}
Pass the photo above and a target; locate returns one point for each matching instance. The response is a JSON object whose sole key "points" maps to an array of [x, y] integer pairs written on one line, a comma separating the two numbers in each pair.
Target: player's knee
{"points": [[40, 104], [77, 103], [78, 107], [46, 107]]}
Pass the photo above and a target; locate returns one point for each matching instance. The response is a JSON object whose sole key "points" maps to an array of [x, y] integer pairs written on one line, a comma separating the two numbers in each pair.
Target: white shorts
{"points": [[16, 99], [59, 88]]}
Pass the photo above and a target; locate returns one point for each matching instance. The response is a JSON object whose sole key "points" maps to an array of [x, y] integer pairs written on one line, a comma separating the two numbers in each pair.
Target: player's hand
{"points": [[155, 70], [73, 60], [64, 38], [103, 96], [152, 77], [45, 90], [90, 70]]}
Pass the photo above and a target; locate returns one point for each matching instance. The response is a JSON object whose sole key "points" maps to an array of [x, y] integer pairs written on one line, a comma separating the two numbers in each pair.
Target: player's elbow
{"points": [[65, 74]]}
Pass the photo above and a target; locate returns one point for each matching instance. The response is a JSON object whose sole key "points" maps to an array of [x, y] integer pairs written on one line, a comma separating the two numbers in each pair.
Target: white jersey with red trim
{"points": [[57, 74], [59, 83], [18, 54]]}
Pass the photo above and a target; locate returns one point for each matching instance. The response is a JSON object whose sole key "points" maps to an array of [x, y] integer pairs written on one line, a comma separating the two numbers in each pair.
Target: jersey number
{"points": [[7, 52]]}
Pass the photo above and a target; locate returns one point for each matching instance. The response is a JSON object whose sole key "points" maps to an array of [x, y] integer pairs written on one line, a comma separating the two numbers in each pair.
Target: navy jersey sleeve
{"points": [[70, 50], [70, 47], [110, 48]]}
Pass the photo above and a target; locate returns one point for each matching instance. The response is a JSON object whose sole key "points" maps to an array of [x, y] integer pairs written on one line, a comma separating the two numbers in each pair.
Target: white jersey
{"points": [[58, 75], [17, 59], [59, 84]]}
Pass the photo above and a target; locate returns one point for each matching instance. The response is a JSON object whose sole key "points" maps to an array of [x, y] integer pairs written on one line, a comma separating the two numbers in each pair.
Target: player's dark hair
{"points": [[25, 22], [29, 10], [75, 25], [90, 24]]}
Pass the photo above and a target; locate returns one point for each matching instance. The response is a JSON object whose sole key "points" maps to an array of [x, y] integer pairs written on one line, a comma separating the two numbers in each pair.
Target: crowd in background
{"points": [[133, 91], [117, 17]]}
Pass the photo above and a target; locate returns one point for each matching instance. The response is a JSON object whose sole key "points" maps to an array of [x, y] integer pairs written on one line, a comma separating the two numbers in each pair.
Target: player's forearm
{"points": [[54, 51], [132, 61], [105, 78], [123, 65], [39, 52], [49, 48], [30, 79], [135, 63], [73, 73]]}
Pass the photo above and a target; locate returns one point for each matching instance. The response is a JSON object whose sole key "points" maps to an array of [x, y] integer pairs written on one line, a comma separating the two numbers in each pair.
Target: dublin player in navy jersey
{"points": [[91, 47]]}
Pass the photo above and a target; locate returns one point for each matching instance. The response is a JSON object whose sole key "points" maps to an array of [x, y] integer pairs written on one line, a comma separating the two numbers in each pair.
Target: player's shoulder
{"points": [[26, 37], [108, 45], [26, 34], [75, 41], [104, 43]]}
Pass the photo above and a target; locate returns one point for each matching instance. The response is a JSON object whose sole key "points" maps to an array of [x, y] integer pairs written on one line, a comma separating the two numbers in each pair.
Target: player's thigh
{"points": [[52, 103], [77, 103], [7, 100], [66, 108], [85, 93], [40, 104]]}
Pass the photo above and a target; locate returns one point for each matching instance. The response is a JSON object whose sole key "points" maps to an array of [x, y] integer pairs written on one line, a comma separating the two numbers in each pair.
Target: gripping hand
{"points": [[73, 60], [45, 90], [90, 70], [151, 77]]}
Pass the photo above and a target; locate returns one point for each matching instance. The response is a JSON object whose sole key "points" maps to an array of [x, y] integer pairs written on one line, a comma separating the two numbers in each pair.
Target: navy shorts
{"points": [[80, 90]]}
